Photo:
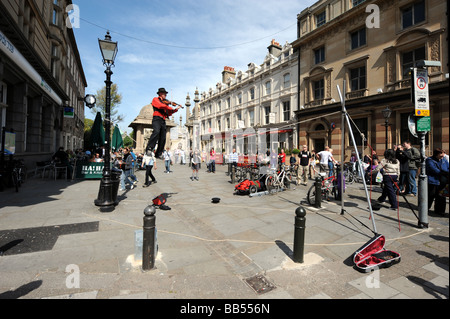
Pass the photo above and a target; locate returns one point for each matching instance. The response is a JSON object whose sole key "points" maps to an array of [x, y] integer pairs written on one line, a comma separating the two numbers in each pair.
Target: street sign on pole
{"points": [[424, 124], [421, 92]]}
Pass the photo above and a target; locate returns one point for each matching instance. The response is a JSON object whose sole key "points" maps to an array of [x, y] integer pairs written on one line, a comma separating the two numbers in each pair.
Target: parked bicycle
{"points": [[277, 180], [329, 187], [19, 173]]}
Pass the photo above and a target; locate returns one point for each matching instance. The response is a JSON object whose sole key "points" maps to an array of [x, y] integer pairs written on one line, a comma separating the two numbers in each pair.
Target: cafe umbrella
{"points": [[117, 140], [98, 132]]}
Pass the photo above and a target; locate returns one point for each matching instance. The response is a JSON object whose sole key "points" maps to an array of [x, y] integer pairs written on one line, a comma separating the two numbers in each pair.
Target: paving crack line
{"points": [[248, 241]]}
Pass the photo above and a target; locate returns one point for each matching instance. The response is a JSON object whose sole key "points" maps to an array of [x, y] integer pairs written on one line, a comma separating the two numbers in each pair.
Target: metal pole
{"points": [[361, 170], [423, 185], [105, 195], [299, 235], [149, 249], [342, 188], [318, 197]]}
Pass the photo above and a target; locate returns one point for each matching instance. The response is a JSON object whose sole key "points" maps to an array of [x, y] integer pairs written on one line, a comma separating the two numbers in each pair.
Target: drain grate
{"points": [[260, 284]]}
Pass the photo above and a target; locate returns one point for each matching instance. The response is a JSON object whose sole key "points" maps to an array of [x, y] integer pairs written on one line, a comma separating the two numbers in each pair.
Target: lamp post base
{"points": [[107, 194]]}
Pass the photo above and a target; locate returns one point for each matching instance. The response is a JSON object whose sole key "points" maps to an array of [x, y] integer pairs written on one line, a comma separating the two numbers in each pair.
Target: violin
{"points": [[167, 102]]}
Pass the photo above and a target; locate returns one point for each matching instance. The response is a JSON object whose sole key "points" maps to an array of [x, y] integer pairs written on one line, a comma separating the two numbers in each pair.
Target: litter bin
{"points": [[115, 177]]}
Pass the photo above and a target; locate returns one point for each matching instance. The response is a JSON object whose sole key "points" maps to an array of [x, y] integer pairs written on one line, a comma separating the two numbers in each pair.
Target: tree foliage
{"points": [[116, 100]]}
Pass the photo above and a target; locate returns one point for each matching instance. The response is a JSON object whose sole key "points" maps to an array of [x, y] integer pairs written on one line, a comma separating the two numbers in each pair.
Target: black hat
{"points": [[162, 90]]}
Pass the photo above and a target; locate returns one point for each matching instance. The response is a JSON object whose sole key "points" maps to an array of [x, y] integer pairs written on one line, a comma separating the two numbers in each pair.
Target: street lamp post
{"points": [[106, 197], [386, 114]]}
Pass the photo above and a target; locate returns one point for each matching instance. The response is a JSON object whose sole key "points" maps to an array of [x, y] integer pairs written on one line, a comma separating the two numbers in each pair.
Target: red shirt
{"points": [[158, 105], [283, 157]]}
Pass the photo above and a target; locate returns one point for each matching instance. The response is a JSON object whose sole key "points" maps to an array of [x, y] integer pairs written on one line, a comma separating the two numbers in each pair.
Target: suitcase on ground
{"points": [[373, 256]]}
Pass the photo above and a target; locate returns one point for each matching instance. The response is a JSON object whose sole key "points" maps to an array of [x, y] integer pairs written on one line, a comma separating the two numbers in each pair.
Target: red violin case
{"points": [[374, 256]]}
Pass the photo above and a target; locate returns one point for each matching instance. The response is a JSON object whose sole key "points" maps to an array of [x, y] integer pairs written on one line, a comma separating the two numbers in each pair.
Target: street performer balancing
{"points": [[162, 111]]}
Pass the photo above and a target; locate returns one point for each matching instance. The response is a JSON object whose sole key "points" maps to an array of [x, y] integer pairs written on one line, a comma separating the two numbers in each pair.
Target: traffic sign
{"points": [[421, 92], [424, 124]]}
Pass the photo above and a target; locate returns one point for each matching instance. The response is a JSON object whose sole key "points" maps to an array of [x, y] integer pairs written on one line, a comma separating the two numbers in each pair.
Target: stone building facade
{"points": [[371, 45], [42, 82], [262, 97]]}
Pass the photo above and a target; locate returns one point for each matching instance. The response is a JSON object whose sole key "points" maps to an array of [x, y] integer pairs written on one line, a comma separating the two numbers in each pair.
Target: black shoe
{"points": [[154, 182], [380, 200], [145, 185]]}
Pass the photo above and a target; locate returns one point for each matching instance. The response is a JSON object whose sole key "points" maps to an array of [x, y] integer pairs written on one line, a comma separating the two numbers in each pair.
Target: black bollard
{"points": [[299, 235], [318, 199], [149, 250], [233, 174]]}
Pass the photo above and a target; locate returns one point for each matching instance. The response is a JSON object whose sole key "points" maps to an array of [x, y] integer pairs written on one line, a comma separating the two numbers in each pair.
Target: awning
{"points": [[11, 52]]}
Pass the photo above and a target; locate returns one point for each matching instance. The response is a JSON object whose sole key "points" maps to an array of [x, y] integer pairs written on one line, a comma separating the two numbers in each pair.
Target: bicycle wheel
{"points": [[311, 196], [270, 184], [287, 180], [349, 177]]}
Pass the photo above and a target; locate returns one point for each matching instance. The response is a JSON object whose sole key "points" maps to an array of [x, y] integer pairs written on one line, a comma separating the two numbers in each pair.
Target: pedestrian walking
{"points": [[303, 169], [414, 159], [149, 161], [390, 167], [162, 111], [129, 178], [437, 171]]}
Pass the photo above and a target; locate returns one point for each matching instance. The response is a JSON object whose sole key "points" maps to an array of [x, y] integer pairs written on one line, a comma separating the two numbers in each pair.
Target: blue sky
{"points": [[178, 45]]}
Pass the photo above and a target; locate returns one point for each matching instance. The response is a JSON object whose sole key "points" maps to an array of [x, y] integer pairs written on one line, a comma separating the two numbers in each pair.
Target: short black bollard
{"points": [[149, 250], [318, 197], [299, 235]]}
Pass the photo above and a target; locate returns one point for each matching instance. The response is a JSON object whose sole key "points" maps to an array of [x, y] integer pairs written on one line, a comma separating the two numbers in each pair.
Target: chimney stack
{"points": [[275, 48], [228, 72]]}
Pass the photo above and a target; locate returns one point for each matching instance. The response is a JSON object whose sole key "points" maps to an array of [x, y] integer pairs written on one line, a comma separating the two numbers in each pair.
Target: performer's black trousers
{"points": [[158, 136]]}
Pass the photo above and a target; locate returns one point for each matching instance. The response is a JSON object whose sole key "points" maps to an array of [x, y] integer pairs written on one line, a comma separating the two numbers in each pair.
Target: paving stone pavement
{"points": [[206, 250]]}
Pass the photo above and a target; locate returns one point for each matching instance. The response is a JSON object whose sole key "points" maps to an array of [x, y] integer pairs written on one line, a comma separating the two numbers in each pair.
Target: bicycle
{"points": [[18, 174], [329, 187], [278, 179]]}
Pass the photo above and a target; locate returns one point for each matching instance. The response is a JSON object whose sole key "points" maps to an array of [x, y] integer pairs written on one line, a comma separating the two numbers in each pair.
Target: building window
{"points": [[413, 14], [357, 2], [267, 114], [55, 61], [239, 98], [358, 38], [268, 87], [358, 78], [318, 87], [219, 126], [359, 125], [319, 55], [251, 116], [219, 106], [287, 80], [410, 58], [252, 93], [320, 19], [228, 124], [286, 111], [228, 103]]}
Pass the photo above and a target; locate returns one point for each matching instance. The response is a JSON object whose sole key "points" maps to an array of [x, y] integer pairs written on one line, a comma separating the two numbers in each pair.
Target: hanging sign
{"points": [[421, 92]]}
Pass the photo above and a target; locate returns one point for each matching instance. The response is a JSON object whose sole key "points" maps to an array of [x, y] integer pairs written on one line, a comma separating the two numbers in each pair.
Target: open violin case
{"points": [[374, 256]]}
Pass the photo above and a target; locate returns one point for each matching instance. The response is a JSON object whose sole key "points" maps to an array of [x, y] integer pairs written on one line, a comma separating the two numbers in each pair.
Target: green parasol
{"points": [[117, 140], [98, 132]]}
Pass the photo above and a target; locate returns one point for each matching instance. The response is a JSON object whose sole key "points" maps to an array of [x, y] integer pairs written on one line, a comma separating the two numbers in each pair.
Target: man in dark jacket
{"points": [[437, 171], [404, 169], [414, 158]]}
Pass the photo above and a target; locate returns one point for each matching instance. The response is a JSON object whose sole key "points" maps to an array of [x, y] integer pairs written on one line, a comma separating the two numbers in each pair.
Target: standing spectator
{"points": [[312, 167], [404, 168], [212, 161], [233, 160], [324, 158], [182, 157], [391, 170], [149, 162], [282, 157], [167, 160], [305, 159], [437, 171], [119, 164], [196, 160], [413, 155], [133, 164]]}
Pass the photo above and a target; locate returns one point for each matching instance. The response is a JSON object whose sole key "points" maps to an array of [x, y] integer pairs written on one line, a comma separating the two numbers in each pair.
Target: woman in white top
{"points": [[149, 161]]}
